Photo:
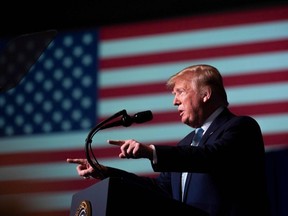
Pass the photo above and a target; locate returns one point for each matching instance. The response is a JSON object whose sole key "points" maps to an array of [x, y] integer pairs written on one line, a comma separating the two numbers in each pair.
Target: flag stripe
{"points": [[240, 17], [159, 102], [187, 54], [193, 39], [232, 80], [120, 77]]}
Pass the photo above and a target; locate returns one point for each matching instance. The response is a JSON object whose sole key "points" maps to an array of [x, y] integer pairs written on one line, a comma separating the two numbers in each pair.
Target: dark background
{"points": [[20, 17]]}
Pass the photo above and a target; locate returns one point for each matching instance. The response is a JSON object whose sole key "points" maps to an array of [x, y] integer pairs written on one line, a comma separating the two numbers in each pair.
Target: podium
{"points": [[119, 196]]}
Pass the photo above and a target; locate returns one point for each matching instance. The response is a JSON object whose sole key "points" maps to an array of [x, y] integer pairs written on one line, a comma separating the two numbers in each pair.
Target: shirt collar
{"points": [[211, 118]]}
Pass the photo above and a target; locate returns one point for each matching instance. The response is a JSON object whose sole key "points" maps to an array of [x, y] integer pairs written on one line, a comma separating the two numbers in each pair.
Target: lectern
{"points": [[119, 196]]}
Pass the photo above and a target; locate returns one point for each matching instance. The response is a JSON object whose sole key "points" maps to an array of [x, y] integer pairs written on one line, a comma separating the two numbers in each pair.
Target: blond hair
{"points": [[202, 75]]}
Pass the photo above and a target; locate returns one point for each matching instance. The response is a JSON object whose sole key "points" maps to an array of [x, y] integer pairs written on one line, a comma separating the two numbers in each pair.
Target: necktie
{"points": [[195, 141], [197, 136]]}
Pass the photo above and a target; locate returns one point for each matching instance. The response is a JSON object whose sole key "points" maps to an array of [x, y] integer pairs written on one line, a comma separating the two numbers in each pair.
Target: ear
{"points": [[206, 93]]}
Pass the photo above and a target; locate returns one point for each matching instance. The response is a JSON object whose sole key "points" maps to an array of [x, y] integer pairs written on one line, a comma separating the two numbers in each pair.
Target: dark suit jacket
{"points": [[226, 170]]}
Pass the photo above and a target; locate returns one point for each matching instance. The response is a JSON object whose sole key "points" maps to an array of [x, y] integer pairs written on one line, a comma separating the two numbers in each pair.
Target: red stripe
{"points": [[106, 153], [48, 213], [134, 89], [229, 80], [40, 157], [194, 54], [34, 186], [256, 78], [261, 108], [275, 139], [192, 22]]}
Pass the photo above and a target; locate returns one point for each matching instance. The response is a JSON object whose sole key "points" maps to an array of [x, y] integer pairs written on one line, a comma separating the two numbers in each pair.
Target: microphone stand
{"points": [[88, 148]]}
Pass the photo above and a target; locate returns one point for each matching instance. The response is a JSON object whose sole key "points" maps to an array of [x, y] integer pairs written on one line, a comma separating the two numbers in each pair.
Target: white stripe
{"points": [[250, 94], [63, 141], [239, 65], [254, 94], [55, 141], [194, 39], [273, 123], [157, 133]]}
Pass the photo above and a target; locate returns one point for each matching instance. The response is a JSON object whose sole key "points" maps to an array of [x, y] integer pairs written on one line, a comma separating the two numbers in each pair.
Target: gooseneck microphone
{"points": [[128, 120], [125, 121]]}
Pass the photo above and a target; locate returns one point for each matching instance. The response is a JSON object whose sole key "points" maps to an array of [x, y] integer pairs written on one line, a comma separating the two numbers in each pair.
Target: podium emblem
{"points": [[84, 209]]}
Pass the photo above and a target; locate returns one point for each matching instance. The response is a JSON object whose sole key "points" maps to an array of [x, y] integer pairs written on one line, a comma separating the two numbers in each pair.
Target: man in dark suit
{"points": [[223, 173]]}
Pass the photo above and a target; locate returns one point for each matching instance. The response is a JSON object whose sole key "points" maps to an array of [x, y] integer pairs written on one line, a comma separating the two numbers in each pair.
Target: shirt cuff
{"points": [[154, 161]]}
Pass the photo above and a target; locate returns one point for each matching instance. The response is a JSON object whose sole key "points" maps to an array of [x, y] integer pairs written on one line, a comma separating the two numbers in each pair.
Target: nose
{"points": [[176, 101]]}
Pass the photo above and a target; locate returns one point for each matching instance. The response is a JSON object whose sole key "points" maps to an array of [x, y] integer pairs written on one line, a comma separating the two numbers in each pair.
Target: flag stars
{"points": [[59, 92], [86, 81], [68, 41], [29, 87], [58, 53], [57, 95], [28, 108], [77, 72], [87, 39], [58, 74], [67, 62], [38, 97], [28, 129], [57, 117], [48, 85], [38, 118], [86, 102], [47, 127], [39, 76], [78, 51], [19, 120], [48, 64], [77, 93], [67, 83], [76, 115], [20, 99], [86, 123], [10, 110], [66, 104], [66, 125], [9, 130], [87, 60], [47, 106]]}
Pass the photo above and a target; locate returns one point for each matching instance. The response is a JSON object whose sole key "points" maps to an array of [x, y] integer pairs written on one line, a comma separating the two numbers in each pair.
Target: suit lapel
{"points": [[223, 117]]}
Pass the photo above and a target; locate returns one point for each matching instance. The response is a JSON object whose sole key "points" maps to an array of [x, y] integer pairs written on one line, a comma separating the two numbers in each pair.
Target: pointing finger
{"points": [[116, 142], [77, 161]]}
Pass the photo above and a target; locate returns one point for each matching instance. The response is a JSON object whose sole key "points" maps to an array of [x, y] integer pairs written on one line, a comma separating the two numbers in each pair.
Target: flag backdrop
{"points": [[86, 76]]}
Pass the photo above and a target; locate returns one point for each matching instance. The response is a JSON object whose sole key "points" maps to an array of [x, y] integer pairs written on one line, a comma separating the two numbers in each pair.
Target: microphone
{"points": [[127, 120]]}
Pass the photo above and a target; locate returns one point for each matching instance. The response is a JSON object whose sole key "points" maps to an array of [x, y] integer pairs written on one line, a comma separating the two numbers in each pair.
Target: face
{"points": [[189, 102]]}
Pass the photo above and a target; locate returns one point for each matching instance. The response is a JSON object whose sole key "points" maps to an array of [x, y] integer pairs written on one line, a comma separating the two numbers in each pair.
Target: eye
{"points": [[179, 92]]}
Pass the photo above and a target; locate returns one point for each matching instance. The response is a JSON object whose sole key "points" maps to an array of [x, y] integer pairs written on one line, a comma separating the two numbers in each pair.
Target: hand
{"points": [[84, 169], [133, 149]]}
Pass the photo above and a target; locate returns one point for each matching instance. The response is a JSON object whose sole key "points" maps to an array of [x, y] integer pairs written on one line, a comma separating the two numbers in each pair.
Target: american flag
{"points": [[86, 76]]}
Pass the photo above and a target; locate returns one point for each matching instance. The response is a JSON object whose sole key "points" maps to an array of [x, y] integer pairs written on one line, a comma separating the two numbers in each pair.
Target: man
{"points": [[224, 173]]}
